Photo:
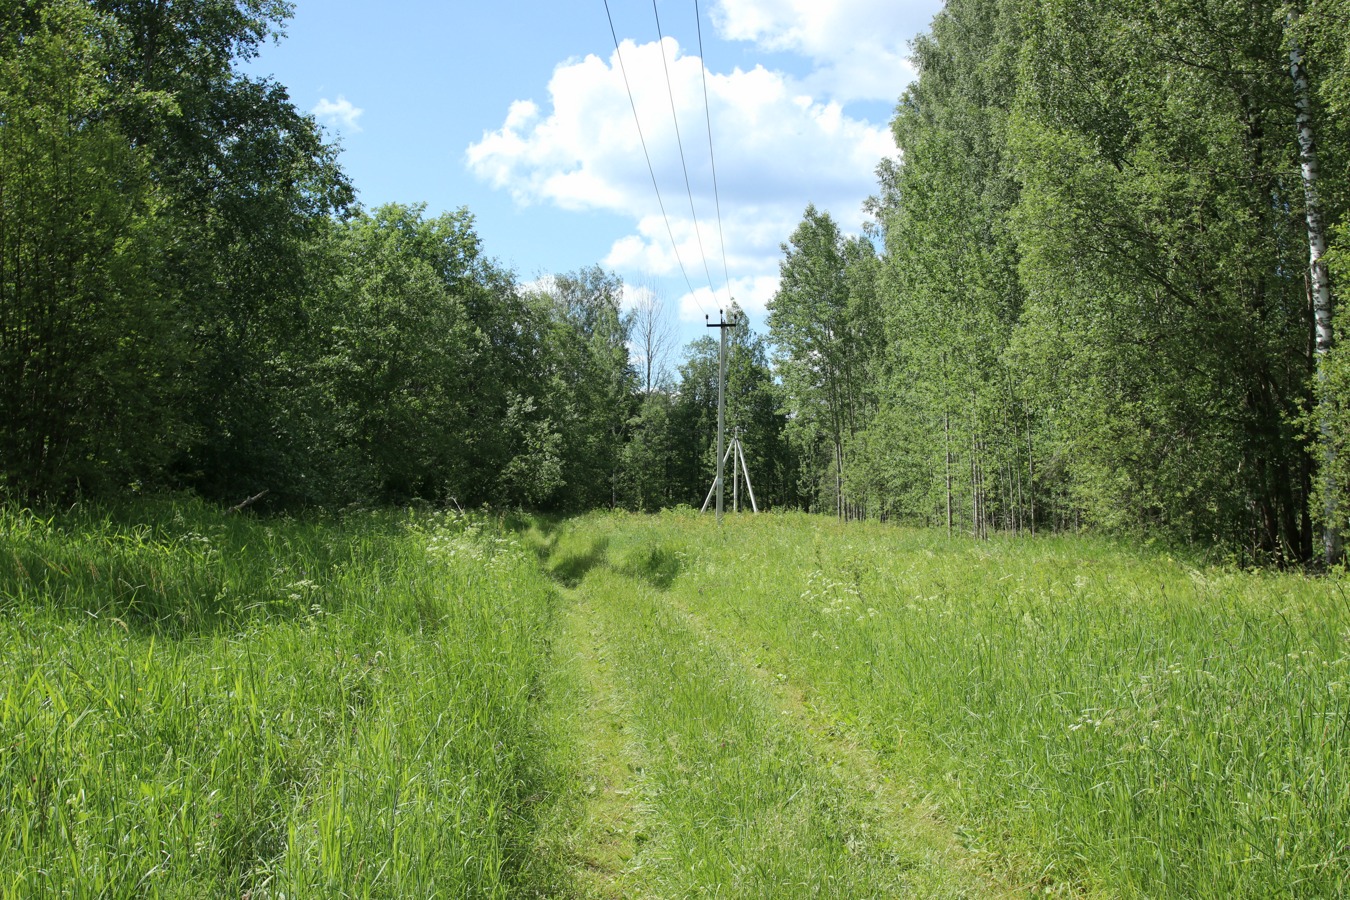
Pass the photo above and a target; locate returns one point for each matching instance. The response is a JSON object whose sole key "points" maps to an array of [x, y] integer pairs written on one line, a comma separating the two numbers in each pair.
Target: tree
{"points": [[1323, 31], [248, 184], [945, 447], [822, 334], [590, 382], [1160, 219], [91, 353], [653, 331], [651, 469]]}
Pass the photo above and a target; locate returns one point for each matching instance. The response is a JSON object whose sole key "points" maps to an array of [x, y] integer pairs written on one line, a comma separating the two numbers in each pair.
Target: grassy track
{"points": [[1089, 720], [597, 826], [730, 792]]}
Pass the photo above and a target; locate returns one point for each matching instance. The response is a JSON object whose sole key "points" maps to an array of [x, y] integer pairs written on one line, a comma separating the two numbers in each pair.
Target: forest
{"points": [[1099, 291]]}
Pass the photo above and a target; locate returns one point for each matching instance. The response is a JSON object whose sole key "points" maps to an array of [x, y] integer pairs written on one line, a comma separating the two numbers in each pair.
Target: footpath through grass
{"points": [[1083, 718], [198, 705], [722, 788]]}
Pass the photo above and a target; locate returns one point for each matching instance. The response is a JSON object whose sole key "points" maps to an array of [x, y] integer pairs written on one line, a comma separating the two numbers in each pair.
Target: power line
{"points": [[674, 117], [650, 169], [707, 110]]}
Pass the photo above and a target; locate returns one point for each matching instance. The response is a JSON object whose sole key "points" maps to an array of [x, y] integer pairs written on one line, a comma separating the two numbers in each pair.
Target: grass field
{"points": [[197, 705], [413, 704]]}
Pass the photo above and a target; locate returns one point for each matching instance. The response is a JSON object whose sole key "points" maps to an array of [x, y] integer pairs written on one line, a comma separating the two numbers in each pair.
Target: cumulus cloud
{"points": [[340, 113], [777, 149], [752, 294], [858, 47]]}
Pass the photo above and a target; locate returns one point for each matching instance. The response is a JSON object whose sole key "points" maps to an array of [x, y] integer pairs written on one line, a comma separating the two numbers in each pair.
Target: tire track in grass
{"points": [[747, 788], [912, 822], [603, 843], [598, 818], [739, 801]]}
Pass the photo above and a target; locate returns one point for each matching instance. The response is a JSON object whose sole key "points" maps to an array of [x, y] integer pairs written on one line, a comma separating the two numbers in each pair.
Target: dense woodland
{"points": [[1085, 300]]}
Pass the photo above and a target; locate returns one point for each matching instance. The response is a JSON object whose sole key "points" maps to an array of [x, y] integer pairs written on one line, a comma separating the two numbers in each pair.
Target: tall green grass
{"points": [[730, 792], [1111, 720], [198, 704], [195, 704]]}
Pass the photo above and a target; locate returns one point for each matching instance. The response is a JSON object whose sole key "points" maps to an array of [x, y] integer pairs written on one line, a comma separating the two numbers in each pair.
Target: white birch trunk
{"points": [[1321, 291]]}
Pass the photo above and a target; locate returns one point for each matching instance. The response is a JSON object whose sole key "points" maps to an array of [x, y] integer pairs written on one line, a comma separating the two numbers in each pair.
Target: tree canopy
{"points": [[1101, 288]]}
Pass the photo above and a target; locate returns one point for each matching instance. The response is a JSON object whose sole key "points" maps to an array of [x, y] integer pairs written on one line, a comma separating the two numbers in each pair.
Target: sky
{"points": [[518, 110]]}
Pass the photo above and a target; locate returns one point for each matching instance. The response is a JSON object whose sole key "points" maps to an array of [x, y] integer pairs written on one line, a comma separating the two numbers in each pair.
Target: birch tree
{"points": [[653, 336], [1320, 289], [819, 350]]}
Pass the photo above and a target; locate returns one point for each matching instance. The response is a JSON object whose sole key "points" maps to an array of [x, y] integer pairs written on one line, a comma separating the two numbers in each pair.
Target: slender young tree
{"points": [[1320, 286], [653, 335], [820, 345]]}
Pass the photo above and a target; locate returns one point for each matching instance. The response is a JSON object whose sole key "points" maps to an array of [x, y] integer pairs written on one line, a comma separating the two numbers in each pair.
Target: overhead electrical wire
{"points": [[707, 109], [650, 169], [679, 142]]}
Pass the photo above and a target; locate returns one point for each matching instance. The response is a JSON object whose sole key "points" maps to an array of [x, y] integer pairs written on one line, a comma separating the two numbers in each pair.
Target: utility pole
{"points": [[740, 469], [722, 326]]}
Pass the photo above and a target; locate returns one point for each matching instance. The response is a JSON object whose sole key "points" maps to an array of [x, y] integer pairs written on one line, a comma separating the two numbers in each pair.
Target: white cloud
{"points": [[752, 294], [776, 150], [859, 47], [338, 114]]}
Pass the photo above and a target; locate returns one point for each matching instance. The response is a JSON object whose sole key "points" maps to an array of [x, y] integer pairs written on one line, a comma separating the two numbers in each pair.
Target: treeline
{"points": [[189, 299], [1094, 303], [1086, 298]]}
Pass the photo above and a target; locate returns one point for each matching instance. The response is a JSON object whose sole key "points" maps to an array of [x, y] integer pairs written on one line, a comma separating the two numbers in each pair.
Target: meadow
{"points": [[424, 704], [194, 704]]}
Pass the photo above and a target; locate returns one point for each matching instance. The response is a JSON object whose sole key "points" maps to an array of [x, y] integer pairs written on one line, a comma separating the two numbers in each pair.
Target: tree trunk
{"points": [[1321, 291], [947, 436]]}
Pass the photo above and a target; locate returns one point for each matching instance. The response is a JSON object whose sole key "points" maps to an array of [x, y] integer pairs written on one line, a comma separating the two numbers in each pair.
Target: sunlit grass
{"points": [[195, 704], [201, 704], [1110, 720], [733, 795]]}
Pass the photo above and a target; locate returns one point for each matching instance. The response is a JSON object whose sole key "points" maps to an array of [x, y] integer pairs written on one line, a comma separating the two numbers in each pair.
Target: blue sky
{"points": [[517, 110]]}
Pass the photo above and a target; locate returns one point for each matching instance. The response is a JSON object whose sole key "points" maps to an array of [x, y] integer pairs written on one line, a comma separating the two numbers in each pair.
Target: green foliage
{"points": [[649, 467], [191, 301], [949, 445], [1185, 342], [399, 351], [1091, 306], [824, 327], [90, 350], [249, 183], [589, 384]]}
